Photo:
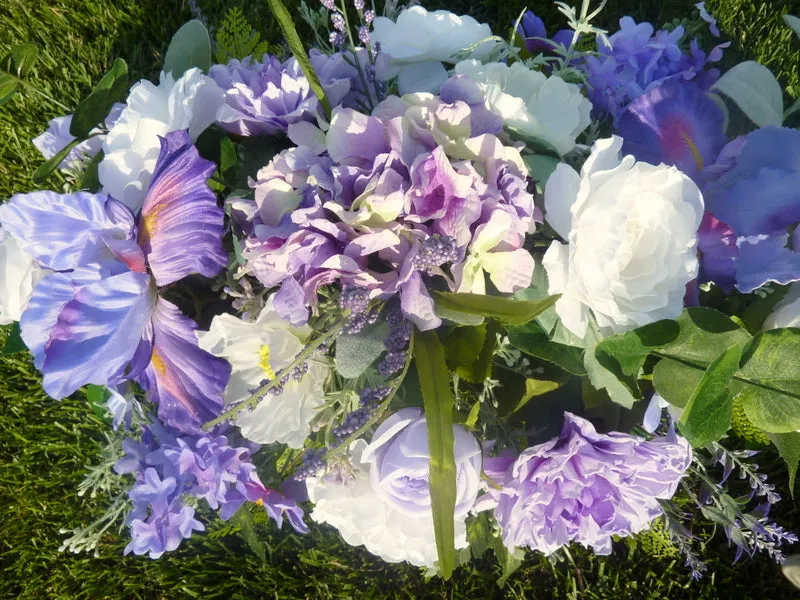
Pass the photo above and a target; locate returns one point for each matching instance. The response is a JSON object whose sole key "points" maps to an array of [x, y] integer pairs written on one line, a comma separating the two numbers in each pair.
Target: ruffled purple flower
{"points": [[170, 467], [753, 189], [583, 487], [532, 29]]}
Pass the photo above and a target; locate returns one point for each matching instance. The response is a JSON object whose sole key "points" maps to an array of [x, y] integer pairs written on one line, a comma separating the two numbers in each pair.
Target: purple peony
{"points": [[583, 487]]}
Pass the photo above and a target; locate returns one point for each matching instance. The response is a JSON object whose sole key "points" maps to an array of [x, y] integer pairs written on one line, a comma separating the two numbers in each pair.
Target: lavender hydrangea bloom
{"points": [[583, 487], [57, 137], [416, 168], [170, 466]]}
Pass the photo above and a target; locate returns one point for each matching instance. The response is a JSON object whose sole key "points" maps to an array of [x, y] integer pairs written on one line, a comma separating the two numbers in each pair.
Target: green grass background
{"points": [[45, 445]]}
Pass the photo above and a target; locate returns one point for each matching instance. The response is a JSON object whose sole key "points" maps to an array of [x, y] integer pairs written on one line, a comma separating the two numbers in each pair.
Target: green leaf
{"points": [[14, 343], [44, 170], [540, 167], [771, 377], [755, 91], [533, 388], [91, 177], [505, 310], [97, 395], [190, 47], [20, 60], [675, 381], [599, 376], [228, 158], [93, 110], [624, 354], [472, 417], [235, 38], [357, 351], [8, 85], [793, 22], [470, 351], [479, 534], [531, 339], [244, 519], [788, 445], [296, 46], [707, 416], [434, 380]]}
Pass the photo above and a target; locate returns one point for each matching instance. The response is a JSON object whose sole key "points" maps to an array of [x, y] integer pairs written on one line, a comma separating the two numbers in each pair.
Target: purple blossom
{"points": [[704, 14], [583, 487]]}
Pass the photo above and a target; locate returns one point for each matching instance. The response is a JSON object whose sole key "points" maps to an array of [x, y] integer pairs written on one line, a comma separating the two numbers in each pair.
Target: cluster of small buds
{"points": [[275, 390], [396, 344], [363, 35], [359, 4], [337, 20], [352, 423], [356, 300], [300, 371], [370, 73], [371, 397], [369, 16], [329, 4], [336, 39], [434, 251], [313, 462]]}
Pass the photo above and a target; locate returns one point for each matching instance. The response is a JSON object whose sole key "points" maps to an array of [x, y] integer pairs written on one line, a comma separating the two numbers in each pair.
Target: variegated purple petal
{"points": [[66, 231], [181, 226], [185, 381], [83, 327]]}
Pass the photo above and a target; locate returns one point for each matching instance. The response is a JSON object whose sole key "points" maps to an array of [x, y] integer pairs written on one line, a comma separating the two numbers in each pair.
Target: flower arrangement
{"points": [[430, 286]]}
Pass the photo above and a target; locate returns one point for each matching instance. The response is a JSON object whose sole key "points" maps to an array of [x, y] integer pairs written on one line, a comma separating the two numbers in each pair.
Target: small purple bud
{"points": [[338, 21], [369, 16], [329, 4], [363, 35], [359, 4]]}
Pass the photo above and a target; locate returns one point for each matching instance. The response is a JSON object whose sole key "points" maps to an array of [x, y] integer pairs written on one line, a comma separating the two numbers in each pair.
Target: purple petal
{"points": [[354, 136], [185, 381], [417, 304], [85, 328], [765, 259], [66, 231], [181, 226], [290, 302], [716, 243], [675, 123]]}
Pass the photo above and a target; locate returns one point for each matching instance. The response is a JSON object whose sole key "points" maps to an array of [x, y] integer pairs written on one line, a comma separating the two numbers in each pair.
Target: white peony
{"points": [[363, 518], [258, 351], [543, 107], [419, 41], [786, 312], [632, 240], [19, 274], [132, 145]]}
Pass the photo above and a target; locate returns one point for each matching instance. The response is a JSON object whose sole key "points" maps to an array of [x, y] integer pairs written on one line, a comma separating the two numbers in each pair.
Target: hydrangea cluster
{"points": [[583, 487], [170, 468], [423, 176]]}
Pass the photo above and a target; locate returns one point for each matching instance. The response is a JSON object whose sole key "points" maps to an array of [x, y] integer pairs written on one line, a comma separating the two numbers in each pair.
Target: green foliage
{"points": [[14, 66], [235, 38], [113, 87], [531, 339], [599, 375], [505, 310], [437, 395], [190, 47], [755, 91], [13, 342], [470, 351], [355, 352], [743, 428], [788, 445]]}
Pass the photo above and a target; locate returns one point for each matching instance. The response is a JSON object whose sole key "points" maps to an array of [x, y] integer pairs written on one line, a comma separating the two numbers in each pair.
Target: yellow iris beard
{"points": [[698, 158], [263, 362]]}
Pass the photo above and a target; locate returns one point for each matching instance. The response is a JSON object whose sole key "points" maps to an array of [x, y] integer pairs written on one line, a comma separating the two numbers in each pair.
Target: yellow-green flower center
{"points": [[263, 362]]}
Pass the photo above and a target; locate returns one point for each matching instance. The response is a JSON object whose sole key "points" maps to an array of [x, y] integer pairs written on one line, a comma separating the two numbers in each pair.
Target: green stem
{"points": [[273, 383]]}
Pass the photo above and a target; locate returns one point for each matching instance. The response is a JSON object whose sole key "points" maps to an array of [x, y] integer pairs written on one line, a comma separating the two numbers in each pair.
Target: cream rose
{"points": [[19, 274], [631, 229]]}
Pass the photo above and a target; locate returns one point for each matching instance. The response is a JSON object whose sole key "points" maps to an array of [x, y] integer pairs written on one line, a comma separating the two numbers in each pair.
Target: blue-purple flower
{"points": [[98, 318], [583, 487]]}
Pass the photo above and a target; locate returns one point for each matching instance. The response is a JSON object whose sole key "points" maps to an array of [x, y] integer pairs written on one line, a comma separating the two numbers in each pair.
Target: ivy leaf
{"points": [[707, 416], [14, 343], [505, 310], [624, 354], [113, 87], [531, 339], [190, 47], [355, 352], [771, 381], [434, 380], [788, 445]]}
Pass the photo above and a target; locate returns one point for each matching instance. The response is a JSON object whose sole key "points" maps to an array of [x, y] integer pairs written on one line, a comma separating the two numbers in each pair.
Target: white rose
{"points": [[786, 312], [363, 518], [632, 233], [132, 145], [544, 107], [19, 274], [419, 41], [258, 351]]}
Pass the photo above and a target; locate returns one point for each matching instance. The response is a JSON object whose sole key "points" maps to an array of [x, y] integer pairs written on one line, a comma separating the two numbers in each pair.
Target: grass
{"points": [[45, 445]]}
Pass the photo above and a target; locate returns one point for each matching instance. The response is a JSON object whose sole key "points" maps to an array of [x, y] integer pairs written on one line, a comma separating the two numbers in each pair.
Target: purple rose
{"points": [[583, 487], [400, 462]]}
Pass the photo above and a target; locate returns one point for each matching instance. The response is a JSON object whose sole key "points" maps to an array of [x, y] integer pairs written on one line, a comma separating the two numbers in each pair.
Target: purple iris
{"points": [[675, 123], [98, 317], [533, 30], [755, 190]]}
